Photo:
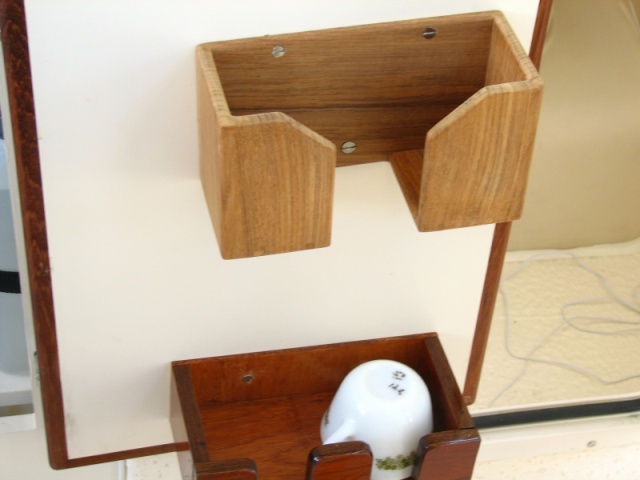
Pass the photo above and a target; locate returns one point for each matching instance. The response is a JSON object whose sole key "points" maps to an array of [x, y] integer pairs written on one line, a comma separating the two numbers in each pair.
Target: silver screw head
{"points": [[278, 51], [348, 147], [429, 33]]}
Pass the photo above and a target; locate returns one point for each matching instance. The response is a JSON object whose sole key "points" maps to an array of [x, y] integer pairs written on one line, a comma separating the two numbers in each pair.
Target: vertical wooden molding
{"points": [[15, 46], [499, 245], [485, 313], [25, 138], [540, 32]]}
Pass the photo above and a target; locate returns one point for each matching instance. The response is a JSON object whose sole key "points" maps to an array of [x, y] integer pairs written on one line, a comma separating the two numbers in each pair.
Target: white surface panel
{"points": [[130, 303], [137, 278]]}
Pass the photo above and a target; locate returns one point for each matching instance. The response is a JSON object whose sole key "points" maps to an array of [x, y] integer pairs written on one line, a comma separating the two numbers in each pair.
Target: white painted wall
{"points": [[23, 449], [23, 456], [137, 278]]}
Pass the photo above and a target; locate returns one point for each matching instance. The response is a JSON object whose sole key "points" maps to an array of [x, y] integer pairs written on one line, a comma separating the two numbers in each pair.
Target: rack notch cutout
{"points": [[452, 102]]}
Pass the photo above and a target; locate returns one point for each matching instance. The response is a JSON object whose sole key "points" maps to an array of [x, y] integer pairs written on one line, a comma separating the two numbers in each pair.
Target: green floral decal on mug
{"points": [[398, 463]]}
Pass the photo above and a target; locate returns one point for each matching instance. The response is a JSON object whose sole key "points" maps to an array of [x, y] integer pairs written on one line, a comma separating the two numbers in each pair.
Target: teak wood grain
{"points": [[268, 180], [474, 167], [455, 114], [382, 86], [267, 407]]}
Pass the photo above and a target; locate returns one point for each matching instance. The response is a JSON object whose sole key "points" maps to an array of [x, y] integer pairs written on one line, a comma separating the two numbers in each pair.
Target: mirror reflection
{"points": [[566, 329]]}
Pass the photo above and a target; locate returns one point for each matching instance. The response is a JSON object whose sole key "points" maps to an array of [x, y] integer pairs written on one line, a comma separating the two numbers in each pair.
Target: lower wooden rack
{"points": [[258, 415]]}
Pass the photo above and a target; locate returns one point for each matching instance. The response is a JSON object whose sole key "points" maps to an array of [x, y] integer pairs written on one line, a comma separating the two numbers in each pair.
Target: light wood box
{"points": [[452, 102]]}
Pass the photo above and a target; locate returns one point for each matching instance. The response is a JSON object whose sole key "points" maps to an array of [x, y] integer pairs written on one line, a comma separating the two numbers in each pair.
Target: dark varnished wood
{"points": [[485, 313], [540, 31], [17, 68], [122, 455], [276, 433], [25, 138], [448, 455], [188, 431], [451, 411], [300, 371], [344, 461], [267, 406], [185, 421], [241, 469]]}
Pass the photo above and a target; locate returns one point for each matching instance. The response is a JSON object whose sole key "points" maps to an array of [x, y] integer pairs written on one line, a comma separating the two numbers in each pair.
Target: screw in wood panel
{"points": [[348, 147], [247, 378], [278, 51], [429, 33]]}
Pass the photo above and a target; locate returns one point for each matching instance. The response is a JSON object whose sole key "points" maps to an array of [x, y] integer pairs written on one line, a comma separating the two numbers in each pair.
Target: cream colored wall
{"points": [[584, 186]]}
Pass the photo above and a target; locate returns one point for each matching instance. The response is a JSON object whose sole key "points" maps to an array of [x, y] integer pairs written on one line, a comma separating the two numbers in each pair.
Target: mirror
{"points": [[566, 331]]}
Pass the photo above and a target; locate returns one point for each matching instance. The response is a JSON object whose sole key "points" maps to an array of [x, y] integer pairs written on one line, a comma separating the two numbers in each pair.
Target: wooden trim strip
{"points": [[22, 109], [485, 313], [350, 460], [124, 455], [15, 46], [446, 387], [540, 32], [190, 413], [499, 245]]}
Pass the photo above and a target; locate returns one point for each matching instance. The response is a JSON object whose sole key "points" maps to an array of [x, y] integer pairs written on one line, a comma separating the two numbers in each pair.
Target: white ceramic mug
{"points": [[387, 405]]}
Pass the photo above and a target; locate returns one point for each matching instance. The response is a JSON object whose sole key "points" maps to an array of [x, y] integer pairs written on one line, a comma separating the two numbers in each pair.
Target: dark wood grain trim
{"points": [[15, 46], [540, 32], [25, 138], [447, 455], [124, 455], [445, 393], [18, 73], [238, 469], [499, 245], [348, 460], [485, 313], [188, 405]]}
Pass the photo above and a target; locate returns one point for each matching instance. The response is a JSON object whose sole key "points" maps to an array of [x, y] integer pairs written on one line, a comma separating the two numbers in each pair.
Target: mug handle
{"points": [[344, 431]]}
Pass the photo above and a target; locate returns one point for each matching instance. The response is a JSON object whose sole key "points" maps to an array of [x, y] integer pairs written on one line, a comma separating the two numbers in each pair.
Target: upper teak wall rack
{"points": [[452, 102]]}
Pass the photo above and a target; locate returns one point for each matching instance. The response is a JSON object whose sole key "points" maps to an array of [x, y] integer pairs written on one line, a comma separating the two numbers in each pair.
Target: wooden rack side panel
{"points": [[268, 180], [487, 172]]}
